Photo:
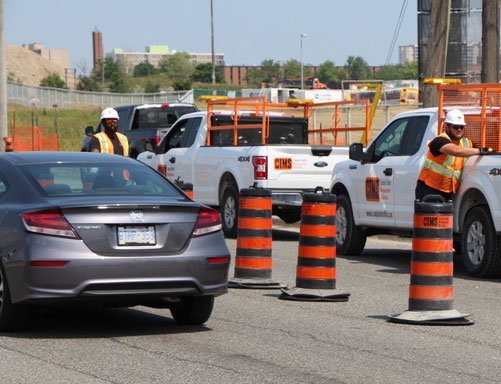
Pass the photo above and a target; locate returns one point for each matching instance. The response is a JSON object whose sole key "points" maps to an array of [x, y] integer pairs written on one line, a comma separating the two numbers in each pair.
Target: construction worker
{"points": [[109, 140], [444, 162]]}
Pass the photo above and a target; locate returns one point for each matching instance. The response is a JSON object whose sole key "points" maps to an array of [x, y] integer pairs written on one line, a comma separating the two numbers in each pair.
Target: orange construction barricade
{"points": [[431, 291], [253, 262], [316, 265]]}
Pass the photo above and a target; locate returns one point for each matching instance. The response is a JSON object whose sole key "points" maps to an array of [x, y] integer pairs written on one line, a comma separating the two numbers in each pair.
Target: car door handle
{"points": [[388, 171], [172, 160]]}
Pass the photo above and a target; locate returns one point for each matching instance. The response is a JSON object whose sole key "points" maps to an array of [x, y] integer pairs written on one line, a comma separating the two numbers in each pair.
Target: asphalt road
{"points": [[253, 337]]}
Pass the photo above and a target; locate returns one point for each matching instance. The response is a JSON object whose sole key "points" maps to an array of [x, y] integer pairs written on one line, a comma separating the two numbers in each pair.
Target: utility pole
{"points": [[436, 50], [490, 41], [3, 83], [212, 43]]}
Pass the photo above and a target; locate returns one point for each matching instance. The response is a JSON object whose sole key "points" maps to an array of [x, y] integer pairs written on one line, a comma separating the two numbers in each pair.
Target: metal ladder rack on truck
{"points": [[375, 188], [288, 148]]}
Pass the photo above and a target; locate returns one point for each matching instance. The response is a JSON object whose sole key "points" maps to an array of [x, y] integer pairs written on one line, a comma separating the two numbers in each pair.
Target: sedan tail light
{"points": [[208, 221], [48, 222]]}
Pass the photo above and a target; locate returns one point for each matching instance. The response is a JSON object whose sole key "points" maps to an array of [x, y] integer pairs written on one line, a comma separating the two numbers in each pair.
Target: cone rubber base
{"points": [[255, 284], [447, 317], [307, 294]]}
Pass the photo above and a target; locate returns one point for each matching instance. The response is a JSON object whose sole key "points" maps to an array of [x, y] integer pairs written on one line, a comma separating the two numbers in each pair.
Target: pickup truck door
{"points": [[178, 156], [377, 184]]}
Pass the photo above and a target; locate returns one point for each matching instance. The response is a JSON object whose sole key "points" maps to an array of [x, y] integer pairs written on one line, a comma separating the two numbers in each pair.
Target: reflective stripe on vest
{"points": [[443, 172], [107, 146]]}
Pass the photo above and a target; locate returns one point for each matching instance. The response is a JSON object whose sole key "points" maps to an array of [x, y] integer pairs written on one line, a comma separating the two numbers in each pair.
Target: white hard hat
{"points": [[455, 117], [109, 113]]}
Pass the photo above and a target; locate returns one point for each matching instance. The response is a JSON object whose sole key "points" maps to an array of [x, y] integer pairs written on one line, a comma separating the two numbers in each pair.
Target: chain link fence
{"points": [[65, 98]]}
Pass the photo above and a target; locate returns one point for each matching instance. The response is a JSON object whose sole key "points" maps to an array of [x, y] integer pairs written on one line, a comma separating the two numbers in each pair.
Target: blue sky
{"points": [[246, 32]]}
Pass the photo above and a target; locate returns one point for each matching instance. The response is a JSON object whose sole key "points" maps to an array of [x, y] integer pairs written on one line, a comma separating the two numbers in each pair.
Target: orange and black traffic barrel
{"points": [[431, 290], [9, 144], [316, 264], [253, 261]]}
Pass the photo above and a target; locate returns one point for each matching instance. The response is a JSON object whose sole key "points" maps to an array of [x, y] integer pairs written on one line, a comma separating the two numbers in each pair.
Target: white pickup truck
{"points": [[375, 189], [237, 155]]}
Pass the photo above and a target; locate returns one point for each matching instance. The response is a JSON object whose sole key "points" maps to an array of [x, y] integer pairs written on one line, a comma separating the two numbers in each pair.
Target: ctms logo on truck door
{"points": [[372, 189]]}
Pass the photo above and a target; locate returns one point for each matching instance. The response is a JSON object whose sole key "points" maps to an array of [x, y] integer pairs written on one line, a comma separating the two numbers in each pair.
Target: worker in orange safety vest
{"points": [[441, 172]]}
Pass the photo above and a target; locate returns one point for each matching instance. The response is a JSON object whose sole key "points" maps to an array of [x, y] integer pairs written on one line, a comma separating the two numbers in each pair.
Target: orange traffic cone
{"points": [[161, 167], [316, 265], [431, 292], [9, 144], [253, 262]]}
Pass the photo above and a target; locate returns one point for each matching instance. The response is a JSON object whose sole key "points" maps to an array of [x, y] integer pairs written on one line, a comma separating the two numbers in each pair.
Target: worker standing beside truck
{"points": [[110, 141], [441, 172]]}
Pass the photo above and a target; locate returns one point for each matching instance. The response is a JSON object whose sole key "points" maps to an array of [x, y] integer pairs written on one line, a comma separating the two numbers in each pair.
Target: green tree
{"points": [[357, 68], [53, 80], [399, 72], [269, 72], [112, 69], [178, 66], [151, 87], [329, 74], [292, 68], [203, 73], [144, 69], [88, 83], [119, 83]]}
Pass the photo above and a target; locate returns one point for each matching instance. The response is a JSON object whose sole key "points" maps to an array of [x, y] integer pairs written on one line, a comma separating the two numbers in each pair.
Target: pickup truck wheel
{"points": [[229, 211], [349, 238], [193, 310], [480, 245]]}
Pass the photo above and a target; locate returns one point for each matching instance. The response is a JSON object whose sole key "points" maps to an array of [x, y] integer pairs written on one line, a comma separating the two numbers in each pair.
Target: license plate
{"points": [[136, 235]]}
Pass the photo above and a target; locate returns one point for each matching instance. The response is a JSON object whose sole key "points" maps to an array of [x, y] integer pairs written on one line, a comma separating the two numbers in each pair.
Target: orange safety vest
{"points": [[107, 146], [443, 172]]}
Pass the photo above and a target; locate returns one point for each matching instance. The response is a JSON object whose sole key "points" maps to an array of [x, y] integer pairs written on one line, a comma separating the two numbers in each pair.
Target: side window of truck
{"points": [[413, 139], [389, 143], [123, 118]]}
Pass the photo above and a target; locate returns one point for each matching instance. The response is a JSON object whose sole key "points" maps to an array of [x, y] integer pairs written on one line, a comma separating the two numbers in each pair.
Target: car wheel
{"points": [[193, 310], [480, 245], [229, 210], [12, 316], [350, 239]]}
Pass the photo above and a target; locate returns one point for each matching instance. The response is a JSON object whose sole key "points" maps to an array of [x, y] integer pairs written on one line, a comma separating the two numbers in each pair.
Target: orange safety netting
{"points": [[32, 138], [481, 105]]}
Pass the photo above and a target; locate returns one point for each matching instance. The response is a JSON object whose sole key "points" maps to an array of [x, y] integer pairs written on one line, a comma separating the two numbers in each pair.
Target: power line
{"points": [[397, 31]]}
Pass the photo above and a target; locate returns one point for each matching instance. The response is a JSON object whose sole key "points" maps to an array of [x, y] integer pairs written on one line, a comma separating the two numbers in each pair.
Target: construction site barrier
{"points": [[253, 262], [9, 144], [33, 138], [316, 265], [431, 291]]}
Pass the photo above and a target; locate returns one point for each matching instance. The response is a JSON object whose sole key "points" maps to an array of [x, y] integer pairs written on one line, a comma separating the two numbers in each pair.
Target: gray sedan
{"points": [[103, 230]]}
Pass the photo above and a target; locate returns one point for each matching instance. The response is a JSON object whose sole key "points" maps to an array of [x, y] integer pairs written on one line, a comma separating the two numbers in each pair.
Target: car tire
{"points": [[12, 316], [193, 310], [350, 239], [229, 210], [481, 246]]}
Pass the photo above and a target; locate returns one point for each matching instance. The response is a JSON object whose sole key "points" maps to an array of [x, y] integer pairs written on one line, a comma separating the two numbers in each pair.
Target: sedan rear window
{"points": [[101, 180]]}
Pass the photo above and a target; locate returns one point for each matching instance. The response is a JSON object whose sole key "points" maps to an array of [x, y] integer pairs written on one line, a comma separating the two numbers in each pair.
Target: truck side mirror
{"points": [[356, 151], [150, 146], [89, 130]]}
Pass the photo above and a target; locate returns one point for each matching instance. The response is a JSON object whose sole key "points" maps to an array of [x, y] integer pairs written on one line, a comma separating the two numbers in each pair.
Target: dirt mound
{"points": [[27, 67]]}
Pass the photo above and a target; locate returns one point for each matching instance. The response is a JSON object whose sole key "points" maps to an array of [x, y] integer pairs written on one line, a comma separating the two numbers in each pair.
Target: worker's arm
{"points": [[457, 150]]}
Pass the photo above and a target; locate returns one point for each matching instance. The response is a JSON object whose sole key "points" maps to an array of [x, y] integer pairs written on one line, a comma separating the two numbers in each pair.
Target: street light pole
{"points": [[212, 43], [303, 35]]}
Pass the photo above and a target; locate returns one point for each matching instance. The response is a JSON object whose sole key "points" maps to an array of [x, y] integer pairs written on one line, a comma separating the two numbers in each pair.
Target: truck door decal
{"points": [[372, 189], [283, 163]]}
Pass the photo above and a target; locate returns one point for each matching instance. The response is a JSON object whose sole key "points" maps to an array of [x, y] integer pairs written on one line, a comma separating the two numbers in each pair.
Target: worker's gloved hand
{"points": [[485, 150]]}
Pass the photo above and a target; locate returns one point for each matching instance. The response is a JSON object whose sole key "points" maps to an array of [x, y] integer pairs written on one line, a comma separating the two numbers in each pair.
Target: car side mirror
{"points": [[89, 130], [356, 151]]}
